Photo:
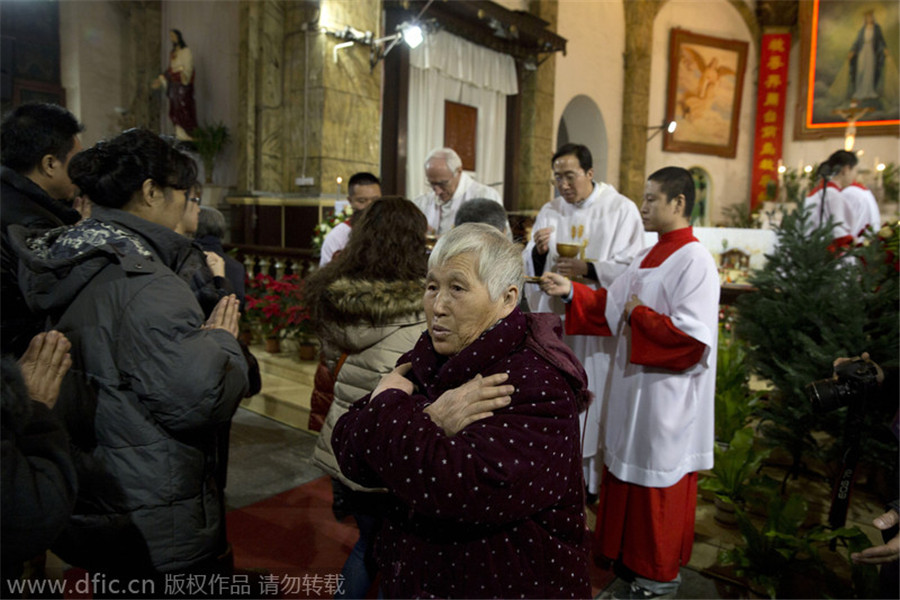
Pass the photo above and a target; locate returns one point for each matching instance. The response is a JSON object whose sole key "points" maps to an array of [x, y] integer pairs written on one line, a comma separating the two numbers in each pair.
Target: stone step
{"points": [[285, 364], [287, 384]]}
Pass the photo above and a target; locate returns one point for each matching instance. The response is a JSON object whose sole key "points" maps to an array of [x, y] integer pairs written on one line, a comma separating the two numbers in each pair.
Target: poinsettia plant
{"points": [[325, 227], [276, 306]]}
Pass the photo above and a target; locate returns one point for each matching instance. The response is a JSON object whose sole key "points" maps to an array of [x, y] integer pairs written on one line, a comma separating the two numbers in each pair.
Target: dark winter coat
{"points": [[235, 272], [147, 391], [498, 509], [22, 202], [39, 481]]}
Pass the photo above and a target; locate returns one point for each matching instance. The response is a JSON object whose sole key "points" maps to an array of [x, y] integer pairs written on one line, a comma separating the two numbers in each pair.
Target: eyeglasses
{"points": [[195, 200], [439, 184], [570, 178]]}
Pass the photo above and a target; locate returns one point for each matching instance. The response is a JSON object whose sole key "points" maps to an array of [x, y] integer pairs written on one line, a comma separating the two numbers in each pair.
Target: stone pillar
{"points": [[261, 127], [536, 128], [639, 18], [302, 113], [140, 51], [339, 132]]}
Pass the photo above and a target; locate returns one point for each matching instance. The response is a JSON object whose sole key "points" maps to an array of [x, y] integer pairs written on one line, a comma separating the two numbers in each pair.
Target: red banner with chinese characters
{"points": [[770, 106]]}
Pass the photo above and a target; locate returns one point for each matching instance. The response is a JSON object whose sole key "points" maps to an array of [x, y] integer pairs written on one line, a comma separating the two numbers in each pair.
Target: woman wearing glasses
{"points": [[153, 379]]}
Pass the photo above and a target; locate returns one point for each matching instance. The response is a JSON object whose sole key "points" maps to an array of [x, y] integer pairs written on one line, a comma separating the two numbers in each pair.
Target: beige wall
{"points": [[592, 66], [730, 177], [91, 65]]}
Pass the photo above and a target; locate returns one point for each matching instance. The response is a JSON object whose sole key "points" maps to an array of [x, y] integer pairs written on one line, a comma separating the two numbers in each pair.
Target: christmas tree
{"points": [[815, 303]]}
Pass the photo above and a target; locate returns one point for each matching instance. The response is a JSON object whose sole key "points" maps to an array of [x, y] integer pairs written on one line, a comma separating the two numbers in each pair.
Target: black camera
{"points": [[856, 379]]}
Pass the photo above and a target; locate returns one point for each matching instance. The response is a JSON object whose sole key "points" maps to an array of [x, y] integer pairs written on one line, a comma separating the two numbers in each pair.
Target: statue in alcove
{"points": [[178, 82]]}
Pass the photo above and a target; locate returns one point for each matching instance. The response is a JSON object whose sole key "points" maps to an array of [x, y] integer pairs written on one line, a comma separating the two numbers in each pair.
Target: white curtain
{"points": [[446, 67]]}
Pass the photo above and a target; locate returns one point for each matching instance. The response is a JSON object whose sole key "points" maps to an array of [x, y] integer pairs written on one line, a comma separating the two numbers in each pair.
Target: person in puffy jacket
{"points": [[369, 311], [152, 379]]}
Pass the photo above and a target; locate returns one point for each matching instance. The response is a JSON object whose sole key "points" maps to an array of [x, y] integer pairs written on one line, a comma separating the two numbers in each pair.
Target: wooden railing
{"points": [[274, 260]]}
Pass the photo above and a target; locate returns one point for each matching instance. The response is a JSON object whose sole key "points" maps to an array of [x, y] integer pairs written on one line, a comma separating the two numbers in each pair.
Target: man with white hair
{"points": [[450, 188]]}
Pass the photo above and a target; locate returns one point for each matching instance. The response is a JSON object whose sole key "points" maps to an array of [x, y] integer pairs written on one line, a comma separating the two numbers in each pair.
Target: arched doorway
{"points": [[582, 123]]}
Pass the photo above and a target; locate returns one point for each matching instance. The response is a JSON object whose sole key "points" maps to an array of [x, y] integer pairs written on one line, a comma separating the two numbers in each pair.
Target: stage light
{"points": [[412, 35]]}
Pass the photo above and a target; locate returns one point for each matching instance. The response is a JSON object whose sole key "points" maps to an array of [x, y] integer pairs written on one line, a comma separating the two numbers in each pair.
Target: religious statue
{"points": [[178, 81], [851, 114]]}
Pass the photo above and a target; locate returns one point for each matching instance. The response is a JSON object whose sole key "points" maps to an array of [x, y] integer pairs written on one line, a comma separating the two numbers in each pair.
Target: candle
{"points": [[339, 181]]}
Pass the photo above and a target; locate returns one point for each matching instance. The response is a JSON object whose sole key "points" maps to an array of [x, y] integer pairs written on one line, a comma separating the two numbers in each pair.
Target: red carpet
{"points": [[295, 537]]}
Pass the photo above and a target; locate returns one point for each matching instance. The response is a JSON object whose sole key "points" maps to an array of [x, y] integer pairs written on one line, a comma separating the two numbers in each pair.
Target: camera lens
{"points": [[826, 395]]}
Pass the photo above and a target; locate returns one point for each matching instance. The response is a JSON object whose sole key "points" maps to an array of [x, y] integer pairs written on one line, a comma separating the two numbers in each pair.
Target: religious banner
{"points": [[771, 97]]}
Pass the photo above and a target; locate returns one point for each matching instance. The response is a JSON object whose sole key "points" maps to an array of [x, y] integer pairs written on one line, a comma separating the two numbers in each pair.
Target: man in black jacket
{"points": [[36, 143]]}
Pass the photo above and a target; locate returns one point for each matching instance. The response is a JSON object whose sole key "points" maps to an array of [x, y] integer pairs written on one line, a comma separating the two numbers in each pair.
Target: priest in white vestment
{"points": [[607, 224], [450, 188], [662, 314]]}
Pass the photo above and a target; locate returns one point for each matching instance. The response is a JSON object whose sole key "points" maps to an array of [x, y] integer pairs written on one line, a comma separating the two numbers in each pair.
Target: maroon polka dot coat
{"points": [[498, 509]]}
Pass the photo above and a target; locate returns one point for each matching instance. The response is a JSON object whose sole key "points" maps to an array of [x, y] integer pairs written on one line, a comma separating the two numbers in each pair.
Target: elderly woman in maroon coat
{"points": [[476, 435]]}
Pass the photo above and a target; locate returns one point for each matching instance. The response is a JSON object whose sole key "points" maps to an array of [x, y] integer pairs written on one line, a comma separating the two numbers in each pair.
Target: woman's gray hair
{"points": [[498, 260], [448, 155], [210, 222]]}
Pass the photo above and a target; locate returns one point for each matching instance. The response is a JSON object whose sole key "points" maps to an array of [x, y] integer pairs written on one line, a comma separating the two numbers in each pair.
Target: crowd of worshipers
{"points": [[462, 433]]}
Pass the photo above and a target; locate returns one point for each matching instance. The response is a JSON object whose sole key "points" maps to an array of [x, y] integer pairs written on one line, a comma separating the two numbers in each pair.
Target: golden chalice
{"points": [[568, 250]]}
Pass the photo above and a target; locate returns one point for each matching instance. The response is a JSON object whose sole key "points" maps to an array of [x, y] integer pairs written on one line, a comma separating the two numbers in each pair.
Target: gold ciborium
{"points": [[568, 250]]}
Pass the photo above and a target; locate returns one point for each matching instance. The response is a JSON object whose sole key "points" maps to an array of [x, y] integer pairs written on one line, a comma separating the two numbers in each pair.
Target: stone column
{"points": [[536, 126], [334, 114], [302, 112], [261, 127], [639, 18], [140, 50]]}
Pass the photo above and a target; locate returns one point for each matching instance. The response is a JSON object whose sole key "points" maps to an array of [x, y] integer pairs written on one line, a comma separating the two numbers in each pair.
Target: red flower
{"points": [[276, 305]]}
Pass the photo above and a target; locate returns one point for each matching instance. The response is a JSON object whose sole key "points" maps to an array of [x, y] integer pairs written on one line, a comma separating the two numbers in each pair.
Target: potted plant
{"points": [[734, 476], [209, 141], [794, 332], [734, 400], [275, 306], [782, 560]]}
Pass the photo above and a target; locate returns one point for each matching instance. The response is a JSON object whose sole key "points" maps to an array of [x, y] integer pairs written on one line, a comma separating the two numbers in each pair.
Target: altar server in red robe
{"points": [[658, 427]]}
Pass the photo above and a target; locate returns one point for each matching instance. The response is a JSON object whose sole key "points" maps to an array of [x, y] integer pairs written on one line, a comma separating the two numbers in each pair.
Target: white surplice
{"points": [[442, 216], [611, 224], [335, 241], [829, 201], [864, 207], [659, 423]]}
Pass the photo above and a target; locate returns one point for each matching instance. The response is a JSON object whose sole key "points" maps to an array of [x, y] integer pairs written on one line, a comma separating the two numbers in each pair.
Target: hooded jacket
{"points": [[498, 509], [22, 202], [148, 388], [374, 323]]}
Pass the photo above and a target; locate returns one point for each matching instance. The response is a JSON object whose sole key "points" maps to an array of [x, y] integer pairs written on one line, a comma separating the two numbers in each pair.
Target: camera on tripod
{"points": [[854, 385], [856, 380]]}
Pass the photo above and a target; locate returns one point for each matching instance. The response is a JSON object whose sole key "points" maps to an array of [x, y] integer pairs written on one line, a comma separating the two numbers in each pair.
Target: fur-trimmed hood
{"points": [[361, 312], [378, 302]]}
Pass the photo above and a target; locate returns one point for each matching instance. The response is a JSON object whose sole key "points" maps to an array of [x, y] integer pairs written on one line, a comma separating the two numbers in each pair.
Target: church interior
{"points": [[750, 96]]}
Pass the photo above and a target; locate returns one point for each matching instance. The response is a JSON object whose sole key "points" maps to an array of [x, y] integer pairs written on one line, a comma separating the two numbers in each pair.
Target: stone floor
{"points": [[268, 457]]}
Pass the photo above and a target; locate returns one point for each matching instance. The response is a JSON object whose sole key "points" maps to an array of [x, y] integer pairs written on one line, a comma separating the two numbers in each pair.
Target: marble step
{"points": [[287, 384]]}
